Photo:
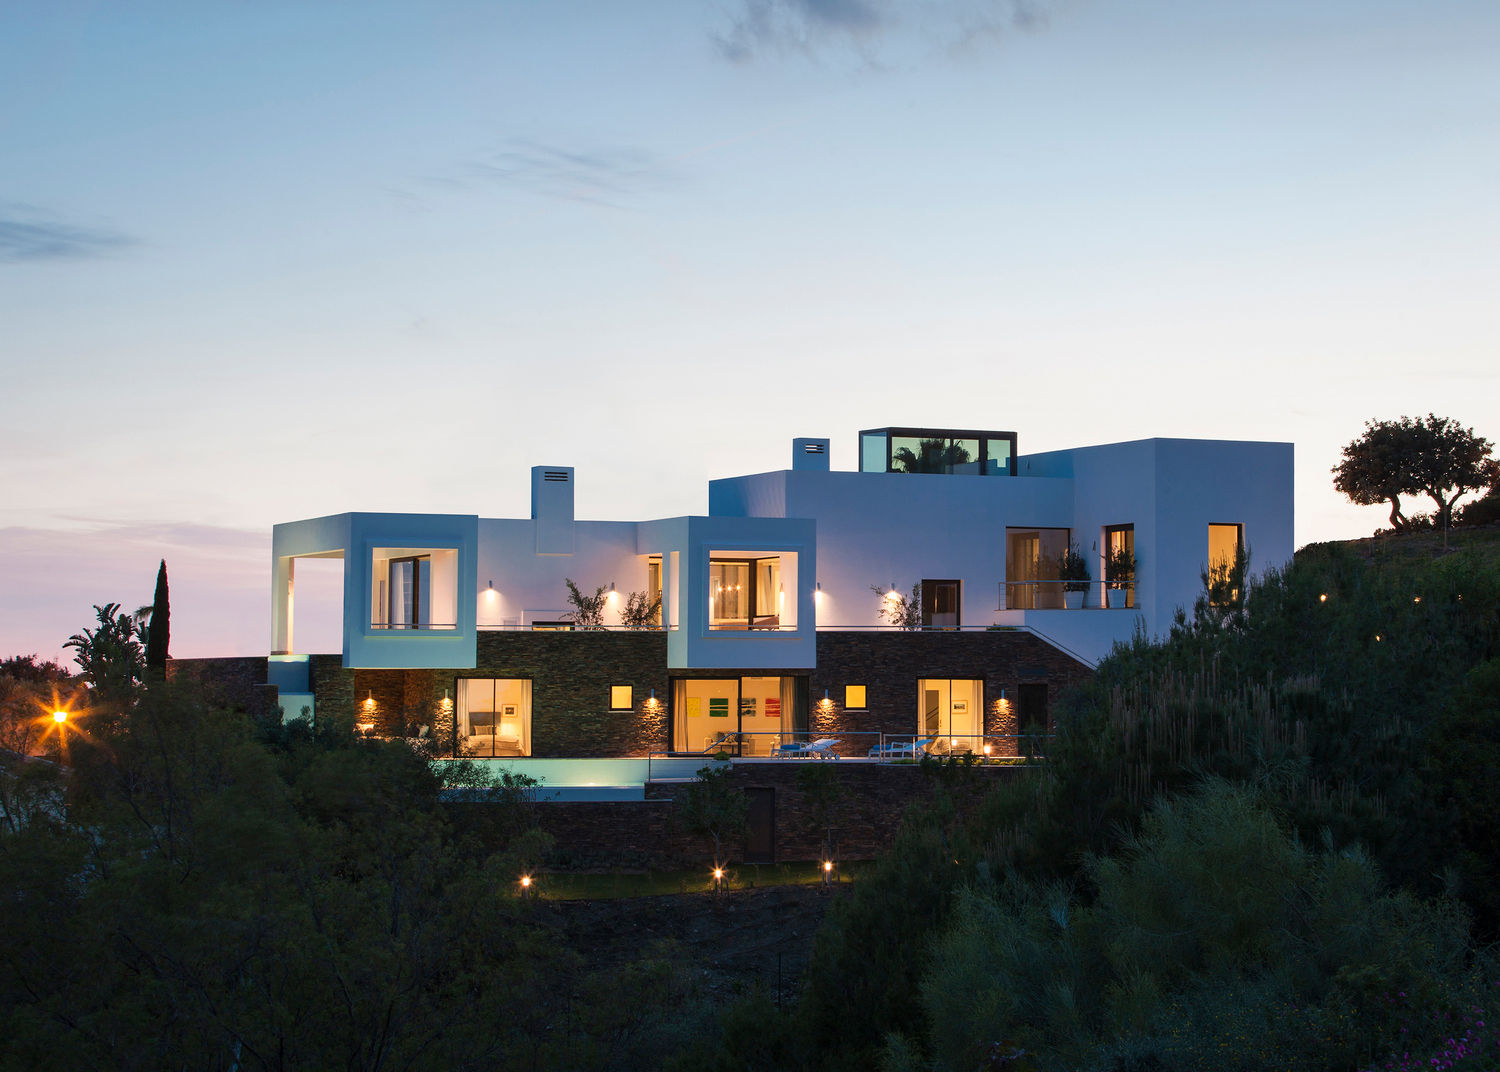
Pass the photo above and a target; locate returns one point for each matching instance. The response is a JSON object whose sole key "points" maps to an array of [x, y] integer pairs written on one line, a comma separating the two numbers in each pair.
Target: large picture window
{"points": [[493, 717], [744, 716], [950, 714]]}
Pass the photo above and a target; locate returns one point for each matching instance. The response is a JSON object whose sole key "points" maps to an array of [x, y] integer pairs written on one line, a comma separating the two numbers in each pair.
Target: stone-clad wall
{"points": [[237, 682], [571, 673], [889, 664], [646, 835]]}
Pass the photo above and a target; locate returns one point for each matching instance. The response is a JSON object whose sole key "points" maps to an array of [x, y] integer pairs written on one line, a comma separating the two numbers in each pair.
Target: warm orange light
{"points": [[525, 881], [986, 749], [1416, 599], [59, 716], [827, 865], [1323, 598], [718, 873]]}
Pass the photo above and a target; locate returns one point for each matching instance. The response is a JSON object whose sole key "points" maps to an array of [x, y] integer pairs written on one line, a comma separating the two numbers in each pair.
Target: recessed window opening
{"points": [[1031, 568], [1226, 542], [621, 697], [750, 590], [940, 605], [413, 588], [1119, 540]]}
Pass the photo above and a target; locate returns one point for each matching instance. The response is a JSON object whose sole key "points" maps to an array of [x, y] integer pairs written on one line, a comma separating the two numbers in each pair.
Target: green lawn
{"points": [[578, 887]]}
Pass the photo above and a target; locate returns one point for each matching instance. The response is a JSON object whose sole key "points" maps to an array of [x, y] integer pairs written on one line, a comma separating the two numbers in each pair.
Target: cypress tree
{"points": [[157, 631]]}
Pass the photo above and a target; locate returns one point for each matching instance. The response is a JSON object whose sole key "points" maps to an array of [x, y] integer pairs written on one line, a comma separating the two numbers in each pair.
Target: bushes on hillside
{"points": [[1212, 939]]}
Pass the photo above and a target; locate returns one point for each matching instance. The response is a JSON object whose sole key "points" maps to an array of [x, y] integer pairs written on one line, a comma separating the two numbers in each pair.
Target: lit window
{"points": [[854, 696], [620, 698]]}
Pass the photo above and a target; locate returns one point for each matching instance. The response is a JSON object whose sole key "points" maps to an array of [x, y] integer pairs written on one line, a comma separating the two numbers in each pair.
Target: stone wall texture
{"points": [[646, 835], [236, 682], [571, 674]]}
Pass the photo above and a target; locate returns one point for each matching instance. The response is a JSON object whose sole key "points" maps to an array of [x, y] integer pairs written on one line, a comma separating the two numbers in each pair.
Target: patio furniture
{"points": [[901, 749], [822, 748]]}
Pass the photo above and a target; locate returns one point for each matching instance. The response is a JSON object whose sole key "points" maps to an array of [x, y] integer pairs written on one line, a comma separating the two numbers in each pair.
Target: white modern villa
{"points": [[769, 634]]}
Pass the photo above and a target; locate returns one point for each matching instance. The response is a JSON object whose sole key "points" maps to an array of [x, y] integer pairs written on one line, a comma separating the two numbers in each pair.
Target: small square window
{"points": [[854, 696], [620, 698]]}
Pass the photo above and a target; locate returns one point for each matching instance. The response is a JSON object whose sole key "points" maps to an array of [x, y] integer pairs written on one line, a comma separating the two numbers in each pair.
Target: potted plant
{"points": [[1073, 571], [1119, 575]]}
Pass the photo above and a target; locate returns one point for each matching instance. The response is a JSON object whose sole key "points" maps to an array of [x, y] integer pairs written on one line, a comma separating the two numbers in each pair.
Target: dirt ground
{"points": [[736, 939]]}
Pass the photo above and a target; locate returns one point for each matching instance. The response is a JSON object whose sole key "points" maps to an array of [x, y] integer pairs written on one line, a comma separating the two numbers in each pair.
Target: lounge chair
{"points": [[819, 749], [901, 749]]}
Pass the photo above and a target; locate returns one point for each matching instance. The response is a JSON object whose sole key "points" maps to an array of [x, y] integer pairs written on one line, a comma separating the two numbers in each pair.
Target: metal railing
{"points": [[983, 747], [995, 749], [1052, 594]]}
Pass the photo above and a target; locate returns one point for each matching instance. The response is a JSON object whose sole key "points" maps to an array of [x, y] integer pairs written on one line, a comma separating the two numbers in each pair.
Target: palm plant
{"points": [[931, 456]]}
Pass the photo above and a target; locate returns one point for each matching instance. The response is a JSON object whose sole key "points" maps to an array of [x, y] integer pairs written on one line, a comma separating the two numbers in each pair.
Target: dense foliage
{"points": [[199, 892], [1265, 841]]}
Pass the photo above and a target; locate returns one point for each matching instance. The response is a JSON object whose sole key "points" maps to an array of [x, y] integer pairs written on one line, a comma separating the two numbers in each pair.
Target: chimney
{"points": [[552, 508], [810, 454]]}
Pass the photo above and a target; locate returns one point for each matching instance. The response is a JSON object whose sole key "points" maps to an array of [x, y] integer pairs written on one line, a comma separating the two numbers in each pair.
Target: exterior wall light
{"points": [[59, 716]]}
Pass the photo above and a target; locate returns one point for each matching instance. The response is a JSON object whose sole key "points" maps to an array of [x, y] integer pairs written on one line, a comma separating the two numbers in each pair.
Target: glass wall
{"points": [[937, 450], [493, 717], [1031, 561], [997, 456], [934, 454]]}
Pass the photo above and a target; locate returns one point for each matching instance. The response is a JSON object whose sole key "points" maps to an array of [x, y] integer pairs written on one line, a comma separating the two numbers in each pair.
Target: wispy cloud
{"points": [[28, 234], [769, 28], [601, 175]]}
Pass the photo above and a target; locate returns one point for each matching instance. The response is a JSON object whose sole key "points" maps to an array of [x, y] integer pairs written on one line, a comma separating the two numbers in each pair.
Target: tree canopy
{"points": [[1432, 455]]}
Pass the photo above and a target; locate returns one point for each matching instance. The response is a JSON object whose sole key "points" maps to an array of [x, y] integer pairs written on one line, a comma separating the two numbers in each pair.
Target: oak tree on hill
{"points": [[1433, 456]]}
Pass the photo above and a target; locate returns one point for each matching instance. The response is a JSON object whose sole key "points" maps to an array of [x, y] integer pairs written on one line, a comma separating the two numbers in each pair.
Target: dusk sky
{"points": [[263, 261]]}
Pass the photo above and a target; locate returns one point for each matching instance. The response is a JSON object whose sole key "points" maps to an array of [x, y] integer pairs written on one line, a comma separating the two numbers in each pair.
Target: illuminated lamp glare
{"points": [[59, 717]]}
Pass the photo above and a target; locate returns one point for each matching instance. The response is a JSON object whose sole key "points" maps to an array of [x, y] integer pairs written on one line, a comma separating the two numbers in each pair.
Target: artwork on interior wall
{"points": [[960, 707], [508, 710], [773, 707], [694, 707], [747, 706], [718, 707]]}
